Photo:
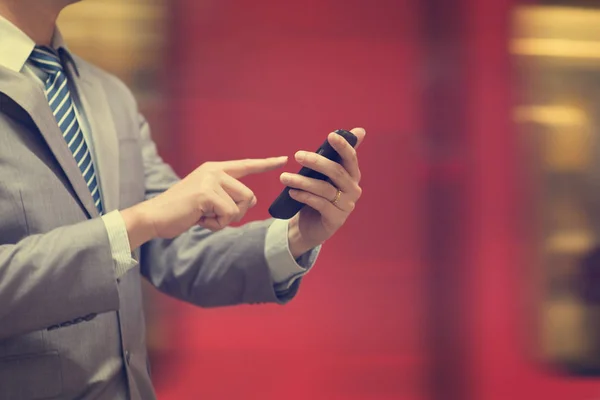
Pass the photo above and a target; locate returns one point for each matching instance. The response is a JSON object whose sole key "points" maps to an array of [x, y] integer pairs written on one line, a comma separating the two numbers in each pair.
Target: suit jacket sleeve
{"points": [[63, 277], [208, 269]]}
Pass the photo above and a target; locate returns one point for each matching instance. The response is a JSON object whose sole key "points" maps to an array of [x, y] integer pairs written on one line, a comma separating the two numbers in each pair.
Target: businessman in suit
{"points": [[87, 207]]}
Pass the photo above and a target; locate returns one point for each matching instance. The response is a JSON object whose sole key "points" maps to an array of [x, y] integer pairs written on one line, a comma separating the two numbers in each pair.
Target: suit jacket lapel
{"points": [[92, 96], [30, 97]]}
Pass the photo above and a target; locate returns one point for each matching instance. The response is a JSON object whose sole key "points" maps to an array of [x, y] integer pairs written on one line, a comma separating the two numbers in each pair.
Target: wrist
{"points": [[139, 225], [298, 244]]}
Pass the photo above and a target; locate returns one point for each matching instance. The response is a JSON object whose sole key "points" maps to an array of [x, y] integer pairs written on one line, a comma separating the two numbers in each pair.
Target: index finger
{"points": [[240, 168]]}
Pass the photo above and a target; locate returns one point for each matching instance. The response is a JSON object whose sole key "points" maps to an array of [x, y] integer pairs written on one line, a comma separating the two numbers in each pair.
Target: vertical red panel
{"points": [[264, 78]]}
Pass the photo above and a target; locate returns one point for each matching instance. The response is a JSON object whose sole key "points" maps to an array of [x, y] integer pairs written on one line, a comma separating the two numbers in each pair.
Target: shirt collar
{"points": [[16, 46]]}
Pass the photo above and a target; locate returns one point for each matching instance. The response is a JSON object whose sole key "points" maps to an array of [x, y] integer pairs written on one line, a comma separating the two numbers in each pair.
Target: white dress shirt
{"points": [[15, 48]]}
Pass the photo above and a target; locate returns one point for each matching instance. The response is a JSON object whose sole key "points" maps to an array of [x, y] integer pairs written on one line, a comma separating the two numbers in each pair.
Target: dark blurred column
{"points": [[447, 150], [471, 197]]}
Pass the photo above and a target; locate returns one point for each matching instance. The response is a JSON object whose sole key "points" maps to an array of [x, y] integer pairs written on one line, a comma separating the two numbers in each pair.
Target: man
{"points": [[87, 207]]}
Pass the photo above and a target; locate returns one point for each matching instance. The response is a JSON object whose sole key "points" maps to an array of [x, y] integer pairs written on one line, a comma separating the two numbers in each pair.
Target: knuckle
{"points": [[208, 174], [202, 197], [359, 191], [207, 166], [351, 206], [231, 212]]}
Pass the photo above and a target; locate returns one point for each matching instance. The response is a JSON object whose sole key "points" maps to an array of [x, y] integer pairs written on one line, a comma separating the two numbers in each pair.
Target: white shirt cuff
{"points": [[119, 242], [284, 269]]}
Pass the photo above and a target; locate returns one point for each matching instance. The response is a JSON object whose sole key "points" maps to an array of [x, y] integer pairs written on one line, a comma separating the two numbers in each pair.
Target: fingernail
{"points": [[293, 192], [301, 155], [285, 177]]}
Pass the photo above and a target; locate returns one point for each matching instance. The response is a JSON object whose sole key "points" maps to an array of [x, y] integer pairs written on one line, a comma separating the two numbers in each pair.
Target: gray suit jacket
{"points": [[68, 328]]}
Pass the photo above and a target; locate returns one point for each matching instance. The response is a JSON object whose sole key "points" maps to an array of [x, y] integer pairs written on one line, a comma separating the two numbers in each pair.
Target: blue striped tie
{"points": [[61, 104]]}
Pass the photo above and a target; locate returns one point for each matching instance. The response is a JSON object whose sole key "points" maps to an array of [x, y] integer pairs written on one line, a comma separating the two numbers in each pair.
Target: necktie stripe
{"points": [[89, 180], [90, 177], [93, 183], [50, 88], [84, 160], [63, 109], [72, 139], [68, 126], [48, 63], [78, 144], [42, 53], [56, 87], [87, 171], [62, 113], [62, 91]]}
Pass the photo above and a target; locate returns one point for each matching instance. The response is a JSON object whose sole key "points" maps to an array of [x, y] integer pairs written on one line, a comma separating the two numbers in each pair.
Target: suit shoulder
{"points": [[115, 86]]}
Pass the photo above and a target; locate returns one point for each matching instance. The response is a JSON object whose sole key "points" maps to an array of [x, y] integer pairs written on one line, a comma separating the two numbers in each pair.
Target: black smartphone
{"points": [[284, 207]]}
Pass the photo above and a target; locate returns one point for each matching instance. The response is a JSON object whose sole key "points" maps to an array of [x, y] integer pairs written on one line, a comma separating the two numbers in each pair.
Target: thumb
{"points": [[360, 134]]}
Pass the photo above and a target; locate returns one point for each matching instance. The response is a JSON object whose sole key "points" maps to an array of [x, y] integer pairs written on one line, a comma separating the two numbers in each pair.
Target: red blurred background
{"points": [[268, 78], [421, 295]]}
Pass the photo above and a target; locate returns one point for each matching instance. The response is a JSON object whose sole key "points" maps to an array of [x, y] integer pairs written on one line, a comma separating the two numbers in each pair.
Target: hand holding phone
{"points": [[284, 207]]}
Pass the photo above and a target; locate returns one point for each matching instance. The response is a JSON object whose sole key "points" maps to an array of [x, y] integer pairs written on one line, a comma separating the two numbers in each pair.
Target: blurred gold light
{"points": [[558, 51], [120, 36], [556, 48], [557, 32], [552, 115]]}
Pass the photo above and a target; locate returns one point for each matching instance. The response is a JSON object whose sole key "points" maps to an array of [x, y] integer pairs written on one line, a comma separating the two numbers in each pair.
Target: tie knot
{"points": [[46, 59]]}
